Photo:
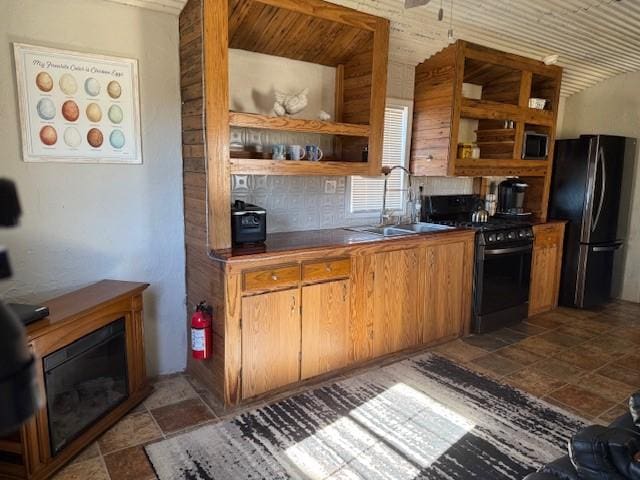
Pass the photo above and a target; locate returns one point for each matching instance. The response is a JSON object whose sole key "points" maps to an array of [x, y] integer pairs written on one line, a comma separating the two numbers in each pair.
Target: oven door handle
{"points": [[501, 251]]}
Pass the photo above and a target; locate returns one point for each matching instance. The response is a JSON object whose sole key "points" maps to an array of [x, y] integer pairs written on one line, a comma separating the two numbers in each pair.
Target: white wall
{"points": [[254, 78], [613, 107], [82, 223]]}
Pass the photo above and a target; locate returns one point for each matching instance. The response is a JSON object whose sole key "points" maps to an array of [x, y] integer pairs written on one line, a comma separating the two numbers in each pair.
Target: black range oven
{"points": [[502, 279], [503, 260]]}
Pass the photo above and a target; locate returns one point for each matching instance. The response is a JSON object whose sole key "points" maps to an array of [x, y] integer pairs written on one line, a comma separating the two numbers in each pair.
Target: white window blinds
{"points": [[366, 192]]}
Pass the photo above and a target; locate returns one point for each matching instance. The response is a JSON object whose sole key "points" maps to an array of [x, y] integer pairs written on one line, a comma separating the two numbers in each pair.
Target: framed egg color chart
{"points": [[77, 107]]}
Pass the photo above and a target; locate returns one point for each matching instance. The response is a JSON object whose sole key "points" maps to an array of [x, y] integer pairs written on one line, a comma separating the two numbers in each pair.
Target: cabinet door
{"points": [[270, 341], [444, 299], [325, 327], [396, 313], [545, 269]]}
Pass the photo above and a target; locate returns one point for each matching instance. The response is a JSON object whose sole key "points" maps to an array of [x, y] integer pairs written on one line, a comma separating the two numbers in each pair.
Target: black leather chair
{"points": [[600, 453]]}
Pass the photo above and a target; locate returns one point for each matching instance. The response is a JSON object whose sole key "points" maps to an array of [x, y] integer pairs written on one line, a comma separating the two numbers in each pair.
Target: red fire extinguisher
{"points": [[201, 332]]}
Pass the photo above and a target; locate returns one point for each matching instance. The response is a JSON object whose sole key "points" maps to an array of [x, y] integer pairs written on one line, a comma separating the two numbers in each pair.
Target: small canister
{"points": [[465, 150]]}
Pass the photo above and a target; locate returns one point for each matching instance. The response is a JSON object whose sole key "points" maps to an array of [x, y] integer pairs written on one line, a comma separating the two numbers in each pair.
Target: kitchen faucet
{"points": [[386, 171]]}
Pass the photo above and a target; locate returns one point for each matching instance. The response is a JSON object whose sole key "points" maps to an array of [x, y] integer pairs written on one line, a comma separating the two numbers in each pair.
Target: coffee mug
{"points": [[296, 152], [314, 153], [278, 151]]}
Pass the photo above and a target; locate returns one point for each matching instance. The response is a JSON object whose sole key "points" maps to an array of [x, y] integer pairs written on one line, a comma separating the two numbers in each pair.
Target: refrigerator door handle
{"points": [[608, 248], [603, 188]]}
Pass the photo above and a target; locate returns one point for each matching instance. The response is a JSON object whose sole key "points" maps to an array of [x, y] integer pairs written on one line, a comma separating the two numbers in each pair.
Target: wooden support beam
{"points": [[216, 92], [378, 94]]}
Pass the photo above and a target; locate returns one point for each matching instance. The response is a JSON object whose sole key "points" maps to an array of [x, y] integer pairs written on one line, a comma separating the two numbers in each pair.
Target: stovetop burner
{"points": [[456, 211], [492, 225]]}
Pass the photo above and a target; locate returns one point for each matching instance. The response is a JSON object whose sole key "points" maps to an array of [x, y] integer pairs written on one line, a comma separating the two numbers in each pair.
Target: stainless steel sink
{"points": [[403, 229], [422, 227], [391, 231]]}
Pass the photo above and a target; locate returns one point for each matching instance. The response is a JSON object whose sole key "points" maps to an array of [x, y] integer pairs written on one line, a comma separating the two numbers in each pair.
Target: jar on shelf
{"points": [[465, 150]]}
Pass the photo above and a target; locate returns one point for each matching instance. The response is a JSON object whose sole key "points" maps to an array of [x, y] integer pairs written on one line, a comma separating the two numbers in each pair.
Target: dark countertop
{"points": [[312, 239]]}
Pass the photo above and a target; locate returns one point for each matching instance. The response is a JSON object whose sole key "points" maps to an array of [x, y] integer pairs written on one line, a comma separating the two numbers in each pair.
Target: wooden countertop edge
{"points": [[550, 222], [388, 242], [44, 326]]}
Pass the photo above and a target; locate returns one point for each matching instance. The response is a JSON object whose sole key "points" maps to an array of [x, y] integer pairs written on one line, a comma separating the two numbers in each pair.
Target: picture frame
{"points": [[77, 107]]}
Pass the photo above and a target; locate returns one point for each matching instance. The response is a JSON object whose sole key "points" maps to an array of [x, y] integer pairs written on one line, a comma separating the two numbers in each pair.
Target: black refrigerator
{"points": [[585, 191]]}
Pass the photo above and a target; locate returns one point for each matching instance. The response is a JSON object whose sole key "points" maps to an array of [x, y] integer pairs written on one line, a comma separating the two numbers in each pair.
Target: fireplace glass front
{"points": [[85, 381]]}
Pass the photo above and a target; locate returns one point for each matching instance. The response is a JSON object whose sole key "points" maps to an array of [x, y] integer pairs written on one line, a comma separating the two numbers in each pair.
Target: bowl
{"points": [[537, 103]]}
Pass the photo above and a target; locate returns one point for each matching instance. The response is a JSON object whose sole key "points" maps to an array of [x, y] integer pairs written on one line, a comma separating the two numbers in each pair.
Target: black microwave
{"points": [[535, 146]]}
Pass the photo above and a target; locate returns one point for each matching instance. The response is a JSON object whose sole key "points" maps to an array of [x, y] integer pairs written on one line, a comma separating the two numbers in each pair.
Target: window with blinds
{"points": [[366, 192]]}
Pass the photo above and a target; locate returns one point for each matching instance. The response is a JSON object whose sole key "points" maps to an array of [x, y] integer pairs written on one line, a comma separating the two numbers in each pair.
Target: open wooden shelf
{"points": [[252, 166], [353, 43], [501, 166], [490, 110], [467, 83], [254, 120], [300, 30]]}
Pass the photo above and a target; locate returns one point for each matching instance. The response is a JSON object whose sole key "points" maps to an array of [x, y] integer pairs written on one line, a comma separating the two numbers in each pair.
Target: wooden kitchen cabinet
{"points": [[444, 295], [396, 297], [325, 327], [287, 314], [270, 341], [546, 266]]}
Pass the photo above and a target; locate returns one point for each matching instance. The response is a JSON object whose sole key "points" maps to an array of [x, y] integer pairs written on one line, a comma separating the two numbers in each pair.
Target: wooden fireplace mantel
{"points": [[27, 453]]}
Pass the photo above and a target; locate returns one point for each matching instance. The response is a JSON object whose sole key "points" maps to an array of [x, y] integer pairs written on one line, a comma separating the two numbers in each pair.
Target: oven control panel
{"points": [[508, 236]]}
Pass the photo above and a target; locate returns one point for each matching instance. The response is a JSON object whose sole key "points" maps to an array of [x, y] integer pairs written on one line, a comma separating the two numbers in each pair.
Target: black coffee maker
{"points": [[511, 197]]}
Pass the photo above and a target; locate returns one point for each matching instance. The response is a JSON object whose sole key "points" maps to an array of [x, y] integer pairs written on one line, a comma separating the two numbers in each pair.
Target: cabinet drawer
{"points": [[275, 277], [327, 269]]}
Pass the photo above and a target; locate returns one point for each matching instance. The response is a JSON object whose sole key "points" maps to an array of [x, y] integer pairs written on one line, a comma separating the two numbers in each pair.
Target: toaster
{"points": [[248, 223]]}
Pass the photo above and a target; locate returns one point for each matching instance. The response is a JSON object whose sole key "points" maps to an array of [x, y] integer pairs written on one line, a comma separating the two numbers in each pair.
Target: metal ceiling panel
{"points": [[595, 39]]}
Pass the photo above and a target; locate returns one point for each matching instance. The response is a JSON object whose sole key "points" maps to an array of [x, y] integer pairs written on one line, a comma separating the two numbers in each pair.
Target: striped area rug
{"points": [[422, 418]]}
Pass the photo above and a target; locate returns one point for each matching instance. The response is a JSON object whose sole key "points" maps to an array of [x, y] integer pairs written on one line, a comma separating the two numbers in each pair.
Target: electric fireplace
{"points": [[84, 381], [90, 368]]}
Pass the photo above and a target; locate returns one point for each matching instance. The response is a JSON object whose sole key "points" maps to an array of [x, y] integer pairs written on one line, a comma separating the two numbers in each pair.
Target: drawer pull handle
{"points": [[274, 276]]}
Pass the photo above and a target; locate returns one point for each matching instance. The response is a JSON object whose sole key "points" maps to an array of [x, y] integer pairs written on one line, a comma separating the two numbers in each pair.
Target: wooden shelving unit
{"points": [[254, 120], [354, 43], [502, 85], [252, 166]]}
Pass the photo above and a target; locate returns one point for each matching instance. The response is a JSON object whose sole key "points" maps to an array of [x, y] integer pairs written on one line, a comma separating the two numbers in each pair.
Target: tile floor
{"points": [[587, 362]]}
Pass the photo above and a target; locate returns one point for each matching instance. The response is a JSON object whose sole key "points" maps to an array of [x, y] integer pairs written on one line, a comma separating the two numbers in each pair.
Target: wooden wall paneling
{"points": [[513, 61], [504, 89], [270, 341], [216, 61], [327, 11], [356, 103], [276, 29], [432, 113], [325, 327], [533, 200]]}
